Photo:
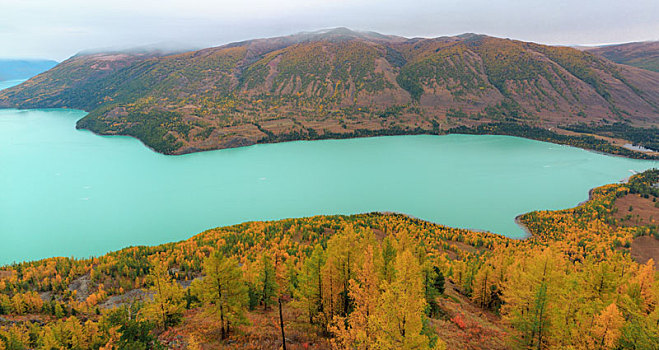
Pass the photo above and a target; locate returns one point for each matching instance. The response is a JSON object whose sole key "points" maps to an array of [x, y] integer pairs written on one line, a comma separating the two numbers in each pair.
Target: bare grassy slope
{"points": [[642, 54]]}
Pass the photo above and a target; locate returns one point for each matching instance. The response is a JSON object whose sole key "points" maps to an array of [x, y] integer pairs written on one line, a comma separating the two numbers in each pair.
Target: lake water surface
{"points": [[68, 192]]}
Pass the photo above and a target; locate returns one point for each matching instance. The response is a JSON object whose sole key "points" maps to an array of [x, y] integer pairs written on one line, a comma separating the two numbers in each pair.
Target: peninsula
{"points": [[341, 83]]}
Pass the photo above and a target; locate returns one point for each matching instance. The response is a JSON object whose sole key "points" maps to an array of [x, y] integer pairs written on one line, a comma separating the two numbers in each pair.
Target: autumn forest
{"points": [[369, 281], [329, 175]]}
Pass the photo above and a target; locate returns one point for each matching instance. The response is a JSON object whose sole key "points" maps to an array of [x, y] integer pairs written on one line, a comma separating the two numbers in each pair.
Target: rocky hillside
{"points": [[339, 83], [642, 55]]}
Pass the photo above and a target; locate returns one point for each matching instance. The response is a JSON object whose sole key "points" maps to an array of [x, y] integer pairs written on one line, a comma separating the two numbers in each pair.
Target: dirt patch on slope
{"points": [[643, 211], [645, 248], [466, 326]]}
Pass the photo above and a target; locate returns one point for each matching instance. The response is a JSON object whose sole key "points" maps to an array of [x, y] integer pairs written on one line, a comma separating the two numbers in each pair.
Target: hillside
{"points": [[584, 280], [642, 55], [340, 83], [14, 69]]}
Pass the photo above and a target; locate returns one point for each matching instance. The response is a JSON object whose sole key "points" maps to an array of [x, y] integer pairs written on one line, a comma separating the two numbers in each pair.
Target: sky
{"points": [[58, 29]]}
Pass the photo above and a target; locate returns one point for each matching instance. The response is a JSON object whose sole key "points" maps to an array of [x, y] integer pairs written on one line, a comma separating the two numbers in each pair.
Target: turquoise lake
{"points": [[68, 192]]}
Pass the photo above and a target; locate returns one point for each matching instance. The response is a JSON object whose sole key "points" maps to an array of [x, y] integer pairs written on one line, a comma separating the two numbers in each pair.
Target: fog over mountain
{"points": [[57, 30]]}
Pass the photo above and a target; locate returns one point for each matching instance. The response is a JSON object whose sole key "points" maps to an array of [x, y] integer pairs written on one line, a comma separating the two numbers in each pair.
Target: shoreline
{"points": [[366, 133], [393, 213], [524, 228], [383, 133], [517, 220]]}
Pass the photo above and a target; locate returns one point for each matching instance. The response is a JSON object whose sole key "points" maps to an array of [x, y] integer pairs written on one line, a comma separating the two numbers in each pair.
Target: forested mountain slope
{"points": [[339, 83], [583, 280]]}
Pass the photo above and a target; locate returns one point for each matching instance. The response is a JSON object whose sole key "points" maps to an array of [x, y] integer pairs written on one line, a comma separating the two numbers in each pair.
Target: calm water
{"points": [[66, 192]]}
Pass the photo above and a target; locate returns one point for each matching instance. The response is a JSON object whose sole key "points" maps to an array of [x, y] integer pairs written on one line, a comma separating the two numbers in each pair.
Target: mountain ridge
{"points": [[643, 54], [339, 83]]}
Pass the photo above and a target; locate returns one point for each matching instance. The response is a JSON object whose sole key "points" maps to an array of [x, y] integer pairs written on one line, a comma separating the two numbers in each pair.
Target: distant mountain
{"points": [[13, 69], [642, 55], [339, 83]]}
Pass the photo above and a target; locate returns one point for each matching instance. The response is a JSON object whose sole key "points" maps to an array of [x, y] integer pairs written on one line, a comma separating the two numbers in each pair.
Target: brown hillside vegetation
{"points": [[340, 83], [370, 281]]}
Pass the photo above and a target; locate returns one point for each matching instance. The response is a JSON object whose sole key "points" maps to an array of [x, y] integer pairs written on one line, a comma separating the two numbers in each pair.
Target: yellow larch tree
{"points": [[531, 296], [166, 308], [358, 330], [222, 291], [310, 290], [400, 312], [607, 328]]}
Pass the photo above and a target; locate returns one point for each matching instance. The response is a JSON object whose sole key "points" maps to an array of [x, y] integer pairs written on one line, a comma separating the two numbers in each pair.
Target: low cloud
{"points": [[58, 29]]}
